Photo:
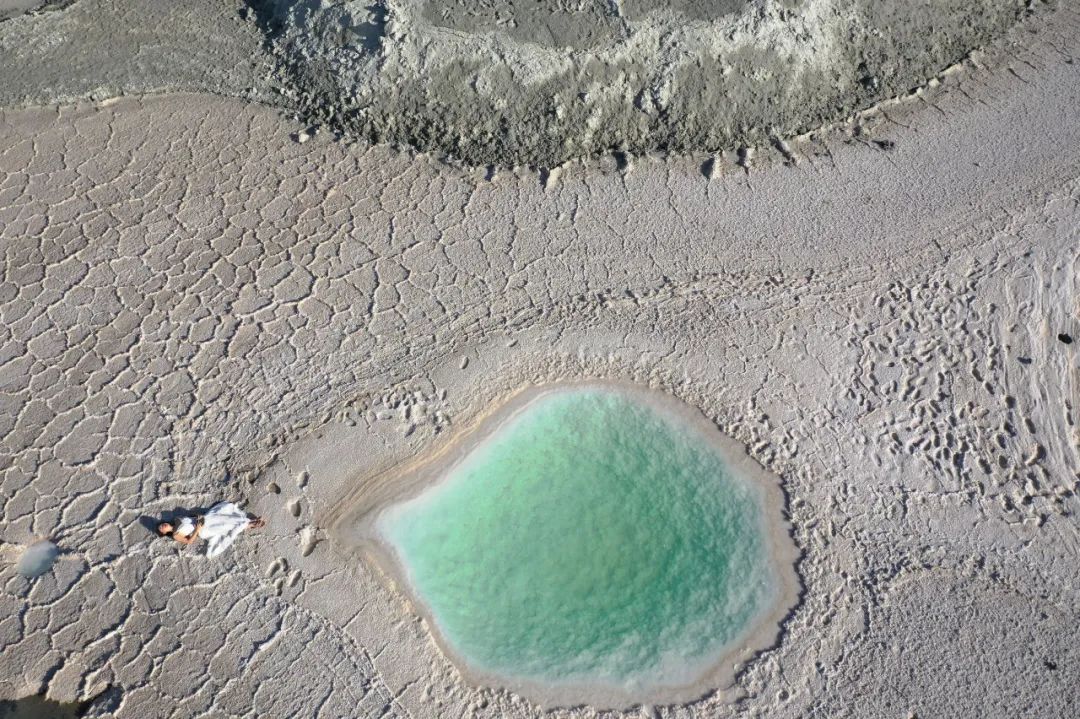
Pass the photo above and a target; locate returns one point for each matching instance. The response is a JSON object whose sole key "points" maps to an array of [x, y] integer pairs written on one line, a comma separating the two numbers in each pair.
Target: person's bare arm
{"points": [[190, 539]]}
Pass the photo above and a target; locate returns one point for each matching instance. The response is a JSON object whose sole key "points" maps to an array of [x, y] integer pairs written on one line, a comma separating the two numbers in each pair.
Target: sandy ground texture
{"points": [[67, 50], [194, 307], [534, 82]]}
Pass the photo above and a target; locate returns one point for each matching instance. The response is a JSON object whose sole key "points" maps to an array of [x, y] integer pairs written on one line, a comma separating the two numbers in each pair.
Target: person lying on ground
{"points": [[219, 527]]}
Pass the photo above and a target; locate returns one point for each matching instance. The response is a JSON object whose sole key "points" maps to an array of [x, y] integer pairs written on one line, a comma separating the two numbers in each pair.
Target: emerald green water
{"points": [[591, 539]]}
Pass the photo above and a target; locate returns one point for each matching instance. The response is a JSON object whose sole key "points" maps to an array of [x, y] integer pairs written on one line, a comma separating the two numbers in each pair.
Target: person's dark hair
{"points": [[165, 532]]}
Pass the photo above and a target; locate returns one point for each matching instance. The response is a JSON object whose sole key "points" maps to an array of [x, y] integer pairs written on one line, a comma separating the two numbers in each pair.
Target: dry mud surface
{"points": [[67, 50], [193, 306]]}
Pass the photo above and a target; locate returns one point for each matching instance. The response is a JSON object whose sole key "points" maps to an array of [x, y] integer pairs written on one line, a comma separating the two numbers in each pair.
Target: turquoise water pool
{"points": [[592, 538]]}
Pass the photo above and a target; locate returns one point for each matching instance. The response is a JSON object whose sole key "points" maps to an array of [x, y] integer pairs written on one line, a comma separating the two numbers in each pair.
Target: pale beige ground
{"points": [[193, 306]]}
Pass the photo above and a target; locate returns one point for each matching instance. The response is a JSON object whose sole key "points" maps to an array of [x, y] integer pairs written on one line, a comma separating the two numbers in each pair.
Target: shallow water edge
{"points": [[354, 529]]}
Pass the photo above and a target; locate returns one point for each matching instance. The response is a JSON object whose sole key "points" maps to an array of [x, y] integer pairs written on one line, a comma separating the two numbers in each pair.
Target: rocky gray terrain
{"points": [[517, 83]]}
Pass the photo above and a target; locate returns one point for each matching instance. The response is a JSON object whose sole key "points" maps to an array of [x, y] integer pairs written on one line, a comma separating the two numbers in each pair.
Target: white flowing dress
{"points": [[221, 526]]}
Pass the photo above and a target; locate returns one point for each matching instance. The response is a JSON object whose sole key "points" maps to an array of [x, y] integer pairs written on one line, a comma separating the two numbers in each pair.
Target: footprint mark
{"points": [[278, 565], [307, 541]]}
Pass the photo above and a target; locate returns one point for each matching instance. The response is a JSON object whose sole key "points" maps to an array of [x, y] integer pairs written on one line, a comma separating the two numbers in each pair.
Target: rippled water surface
{"points": [[592, 538]]}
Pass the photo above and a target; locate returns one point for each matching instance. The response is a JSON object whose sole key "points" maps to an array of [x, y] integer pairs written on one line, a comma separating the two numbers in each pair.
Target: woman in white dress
{"points": [[219, 527]]}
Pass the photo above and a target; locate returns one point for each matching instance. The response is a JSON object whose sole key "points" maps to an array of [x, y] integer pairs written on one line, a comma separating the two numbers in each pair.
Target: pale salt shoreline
{"points": [[357, 519]]}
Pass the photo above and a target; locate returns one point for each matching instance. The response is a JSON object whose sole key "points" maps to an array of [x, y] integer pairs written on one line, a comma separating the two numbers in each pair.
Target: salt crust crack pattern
{"points": [[176, 310]]}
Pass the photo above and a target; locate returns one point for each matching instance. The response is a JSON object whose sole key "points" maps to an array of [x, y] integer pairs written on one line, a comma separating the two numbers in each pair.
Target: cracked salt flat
{"points": [[192, 304], [596, 538]]}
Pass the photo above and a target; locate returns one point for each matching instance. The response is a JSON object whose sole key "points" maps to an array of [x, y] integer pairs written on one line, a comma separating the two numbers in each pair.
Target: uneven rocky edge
{"points": [[533, 83], [538, 83]]}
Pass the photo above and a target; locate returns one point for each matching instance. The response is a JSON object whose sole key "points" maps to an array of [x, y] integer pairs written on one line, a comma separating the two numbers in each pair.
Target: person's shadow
{"points": [[151, 522]]}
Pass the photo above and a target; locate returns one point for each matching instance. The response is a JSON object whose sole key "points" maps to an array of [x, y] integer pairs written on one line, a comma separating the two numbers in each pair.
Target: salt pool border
{"points": [[352, 525]]}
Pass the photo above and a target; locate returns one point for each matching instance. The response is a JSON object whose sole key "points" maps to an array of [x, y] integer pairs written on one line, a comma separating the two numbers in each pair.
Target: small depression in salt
{"points": [[593, 544]]}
